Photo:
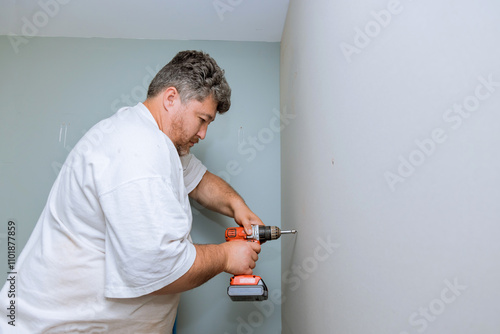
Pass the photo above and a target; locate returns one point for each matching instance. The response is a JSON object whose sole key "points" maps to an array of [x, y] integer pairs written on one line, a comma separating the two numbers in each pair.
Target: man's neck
{"points": [[155, 110]]}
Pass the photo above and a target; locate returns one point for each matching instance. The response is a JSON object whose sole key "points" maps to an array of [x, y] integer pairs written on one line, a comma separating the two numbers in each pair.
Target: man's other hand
{"points": [[246, 218]]}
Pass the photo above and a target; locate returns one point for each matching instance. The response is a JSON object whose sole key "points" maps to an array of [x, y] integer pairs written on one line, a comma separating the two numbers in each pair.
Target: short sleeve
{"points": [[146, 242], [193, 171]]}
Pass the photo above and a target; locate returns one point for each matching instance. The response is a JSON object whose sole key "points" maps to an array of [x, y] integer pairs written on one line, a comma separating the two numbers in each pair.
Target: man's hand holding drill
{"points": [[240, 256]]}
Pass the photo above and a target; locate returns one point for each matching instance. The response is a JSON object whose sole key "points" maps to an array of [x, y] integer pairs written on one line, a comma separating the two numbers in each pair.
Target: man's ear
{"points": [[170, 97]]}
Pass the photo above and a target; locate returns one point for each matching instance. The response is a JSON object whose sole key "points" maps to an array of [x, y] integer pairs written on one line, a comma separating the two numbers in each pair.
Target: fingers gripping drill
{"points": [[251, 287]]}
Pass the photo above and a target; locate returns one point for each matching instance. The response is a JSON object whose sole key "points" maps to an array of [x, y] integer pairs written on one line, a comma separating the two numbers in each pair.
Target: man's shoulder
{"points": [[128, 137], [130, 121], [129, 129]]}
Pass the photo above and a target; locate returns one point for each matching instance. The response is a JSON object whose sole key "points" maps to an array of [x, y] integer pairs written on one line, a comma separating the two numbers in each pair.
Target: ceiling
{"points": [[229, 20]]}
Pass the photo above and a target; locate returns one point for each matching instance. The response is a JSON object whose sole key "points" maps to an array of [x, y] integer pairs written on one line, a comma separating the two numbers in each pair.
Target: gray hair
{"points": [[195, 75]]}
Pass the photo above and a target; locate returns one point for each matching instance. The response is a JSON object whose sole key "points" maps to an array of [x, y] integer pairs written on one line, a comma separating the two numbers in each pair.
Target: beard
{"points": [[183, 149], [179, 138]]}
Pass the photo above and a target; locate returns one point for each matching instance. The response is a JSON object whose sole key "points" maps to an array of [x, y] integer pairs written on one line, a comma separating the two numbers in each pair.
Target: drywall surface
{"points": [[54, 89], [390, 167]]}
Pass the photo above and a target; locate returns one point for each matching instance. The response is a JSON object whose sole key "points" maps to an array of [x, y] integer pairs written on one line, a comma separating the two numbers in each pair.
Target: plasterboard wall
{"points": [[390, 167]]}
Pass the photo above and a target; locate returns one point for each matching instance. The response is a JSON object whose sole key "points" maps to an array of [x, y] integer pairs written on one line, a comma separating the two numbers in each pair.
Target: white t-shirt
{"points": [[115, 228]]}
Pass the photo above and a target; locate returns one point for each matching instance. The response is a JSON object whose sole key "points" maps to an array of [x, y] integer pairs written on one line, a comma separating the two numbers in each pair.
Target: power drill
{"points": [[251, 287]]}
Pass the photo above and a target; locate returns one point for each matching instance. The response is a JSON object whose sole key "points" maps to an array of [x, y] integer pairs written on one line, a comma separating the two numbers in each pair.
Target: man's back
{"points": [[96, 252]]}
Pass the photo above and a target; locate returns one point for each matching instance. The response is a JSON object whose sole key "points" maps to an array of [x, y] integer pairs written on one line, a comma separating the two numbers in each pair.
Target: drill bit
{"points": [[288, 231]]}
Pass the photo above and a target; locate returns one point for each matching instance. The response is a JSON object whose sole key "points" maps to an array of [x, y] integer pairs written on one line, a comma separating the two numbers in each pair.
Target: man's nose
{"points": [[202, 132]]}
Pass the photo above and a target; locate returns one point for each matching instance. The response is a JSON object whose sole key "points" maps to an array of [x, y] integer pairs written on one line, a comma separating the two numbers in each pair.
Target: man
{"points": [[111, 251]]}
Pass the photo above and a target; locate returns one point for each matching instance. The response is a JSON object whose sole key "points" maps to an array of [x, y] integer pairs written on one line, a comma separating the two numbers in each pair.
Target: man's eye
{"points": [[202, 120]]}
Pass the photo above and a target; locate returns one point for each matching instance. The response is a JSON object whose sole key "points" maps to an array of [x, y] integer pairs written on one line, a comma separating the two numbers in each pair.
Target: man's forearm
{"points": [[210, 261], [235, 257], [217, 195]]}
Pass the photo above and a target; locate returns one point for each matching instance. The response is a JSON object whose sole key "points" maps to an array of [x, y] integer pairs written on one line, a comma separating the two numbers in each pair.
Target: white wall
{"points": [[390, 168]]}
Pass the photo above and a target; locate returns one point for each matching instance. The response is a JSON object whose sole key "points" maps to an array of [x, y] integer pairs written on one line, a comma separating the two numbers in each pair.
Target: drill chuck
{"points": [[263, 233]]}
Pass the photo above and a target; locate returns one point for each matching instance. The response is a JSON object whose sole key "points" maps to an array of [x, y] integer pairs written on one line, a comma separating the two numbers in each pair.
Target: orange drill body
{"points": [[238, 233], [251, 287]]}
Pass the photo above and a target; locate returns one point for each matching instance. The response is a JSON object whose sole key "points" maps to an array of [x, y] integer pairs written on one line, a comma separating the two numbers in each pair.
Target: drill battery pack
{"points": [[247, 288]]}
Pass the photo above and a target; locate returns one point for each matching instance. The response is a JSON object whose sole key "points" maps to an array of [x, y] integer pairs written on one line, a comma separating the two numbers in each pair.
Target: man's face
{"points": [[189, 123]]}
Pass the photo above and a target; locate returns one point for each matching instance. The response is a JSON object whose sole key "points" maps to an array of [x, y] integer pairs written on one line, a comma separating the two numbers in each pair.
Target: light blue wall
{"points": [[54, 89]]}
